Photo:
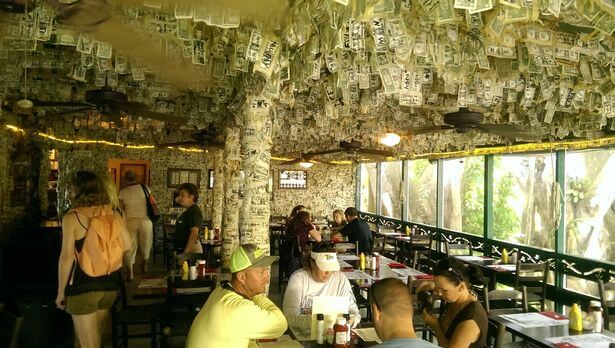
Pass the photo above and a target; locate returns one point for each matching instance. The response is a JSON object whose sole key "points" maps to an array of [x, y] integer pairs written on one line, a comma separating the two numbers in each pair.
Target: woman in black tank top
{"points": [[463, 323], [86, 298]]}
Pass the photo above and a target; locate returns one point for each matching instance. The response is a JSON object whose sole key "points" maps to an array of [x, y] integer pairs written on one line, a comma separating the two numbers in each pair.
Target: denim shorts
{"points": [[90, 302]]}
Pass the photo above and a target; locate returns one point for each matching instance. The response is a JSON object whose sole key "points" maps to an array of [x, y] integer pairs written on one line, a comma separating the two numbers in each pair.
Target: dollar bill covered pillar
{"points": [[218, 190], [230, 214], [256, 155]]}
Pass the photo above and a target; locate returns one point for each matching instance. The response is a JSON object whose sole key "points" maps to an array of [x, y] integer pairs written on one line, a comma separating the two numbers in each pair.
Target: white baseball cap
{"points": [[326, 262]]}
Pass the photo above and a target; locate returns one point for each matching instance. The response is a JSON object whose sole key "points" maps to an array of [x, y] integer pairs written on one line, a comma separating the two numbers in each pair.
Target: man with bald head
{"points": [[391, 304]]}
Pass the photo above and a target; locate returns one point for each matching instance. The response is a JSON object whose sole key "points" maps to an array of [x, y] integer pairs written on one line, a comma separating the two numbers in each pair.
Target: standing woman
{"points": [[297, 236], [464, 322], [186, 235], [86, 298]]}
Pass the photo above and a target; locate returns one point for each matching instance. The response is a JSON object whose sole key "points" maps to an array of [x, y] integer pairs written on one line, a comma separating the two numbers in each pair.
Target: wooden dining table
{"points": [[489, 266], [551, 328]]}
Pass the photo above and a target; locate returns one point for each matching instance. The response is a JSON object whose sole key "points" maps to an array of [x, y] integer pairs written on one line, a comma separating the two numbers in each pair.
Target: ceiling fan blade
{"points": [[295, 161], [512, 131], [132, 106], [159, 116], [309, 155], [68, 112], [375, 152], [323, 162], [430, 129], [44, 103]]}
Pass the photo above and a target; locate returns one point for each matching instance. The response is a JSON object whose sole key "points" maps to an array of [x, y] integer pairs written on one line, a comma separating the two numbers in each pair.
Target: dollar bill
{"points": [[608, 108], [465, 4], [121, 64], [606, 24], [104, 64], [269, 55], [481, 6], [553, 7], [315, 71], [198, 54], [528, 96], [446, 12], [379, 34], [386, 76], [183, 11], [84, 44], [218, 67], [497, 24], [184, 29], [396, 32], [343, 2], [549, 110], [44, 24], [482, 59], [364, 74], [331, 61], [342, 80], [501, 52], [474, 20], [357, 36], [429, 6], [254, 45], [514, 15], [511, 3]]}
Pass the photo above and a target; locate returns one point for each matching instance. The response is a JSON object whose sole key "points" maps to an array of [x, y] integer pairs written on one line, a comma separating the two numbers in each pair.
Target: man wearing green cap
{"points": [[238, 312]]}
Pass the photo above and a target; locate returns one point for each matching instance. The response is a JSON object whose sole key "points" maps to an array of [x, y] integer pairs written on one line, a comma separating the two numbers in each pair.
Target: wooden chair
{"points": [[378, 245], [532, 279], [124, 315], [10, 329], [498, 302], [607, 297], [425, 265], [458, 249], [419, 246]]}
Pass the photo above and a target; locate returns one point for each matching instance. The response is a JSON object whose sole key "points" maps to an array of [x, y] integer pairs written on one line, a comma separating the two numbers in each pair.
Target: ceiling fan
{"points": [[206, 137], [353, 147], [108, 103], [465, 120]]}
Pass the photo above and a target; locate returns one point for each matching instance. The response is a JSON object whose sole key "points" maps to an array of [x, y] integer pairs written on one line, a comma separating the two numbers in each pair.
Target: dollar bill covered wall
{"points": [[95, 159], [328, 188]]}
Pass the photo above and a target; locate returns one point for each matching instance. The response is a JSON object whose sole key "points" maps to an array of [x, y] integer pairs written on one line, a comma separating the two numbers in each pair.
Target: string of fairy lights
{"points": [[495, 150]]}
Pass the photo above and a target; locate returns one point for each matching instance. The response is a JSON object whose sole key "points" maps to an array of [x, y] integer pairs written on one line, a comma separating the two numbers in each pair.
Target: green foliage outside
{"points": [[472, 188]]}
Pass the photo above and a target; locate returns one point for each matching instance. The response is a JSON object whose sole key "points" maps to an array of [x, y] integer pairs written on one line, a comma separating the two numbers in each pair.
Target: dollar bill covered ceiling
{"points": [[325, 70]]}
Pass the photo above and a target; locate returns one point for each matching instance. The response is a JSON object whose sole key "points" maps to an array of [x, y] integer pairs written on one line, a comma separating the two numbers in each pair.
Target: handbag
{"points": [[152, 208]]}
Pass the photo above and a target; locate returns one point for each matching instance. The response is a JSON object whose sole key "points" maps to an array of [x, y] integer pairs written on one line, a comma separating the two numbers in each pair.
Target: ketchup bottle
{"points": [[340, 332]]}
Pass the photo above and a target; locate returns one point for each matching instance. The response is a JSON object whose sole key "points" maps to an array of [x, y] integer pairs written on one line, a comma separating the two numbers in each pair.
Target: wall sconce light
{"points": [[306, 164], [390, 139], [210, 179]]}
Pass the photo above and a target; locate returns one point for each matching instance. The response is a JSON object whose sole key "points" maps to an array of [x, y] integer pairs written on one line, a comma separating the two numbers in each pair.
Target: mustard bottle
{"points": [[185, 270], [575, 318], [362, 261], [206, 233], [407, 231], [504, 256]]}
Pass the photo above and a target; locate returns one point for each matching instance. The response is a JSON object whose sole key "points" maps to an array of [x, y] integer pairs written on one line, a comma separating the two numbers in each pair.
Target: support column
{"points": [[218, 191], [256, 157], [230, 215]]}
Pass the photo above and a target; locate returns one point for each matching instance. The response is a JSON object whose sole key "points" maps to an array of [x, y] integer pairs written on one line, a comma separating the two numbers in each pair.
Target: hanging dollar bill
{"points": [[379, 34], [269, 55], [254, 45]]}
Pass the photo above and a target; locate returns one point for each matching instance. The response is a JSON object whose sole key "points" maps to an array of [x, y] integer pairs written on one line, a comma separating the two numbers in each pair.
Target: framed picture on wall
{"points": [[293, 179], [177, 176]]}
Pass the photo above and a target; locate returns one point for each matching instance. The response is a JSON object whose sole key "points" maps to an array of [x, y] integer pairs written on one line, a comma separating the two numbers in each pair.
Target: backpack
{"points": [[103, 247]]}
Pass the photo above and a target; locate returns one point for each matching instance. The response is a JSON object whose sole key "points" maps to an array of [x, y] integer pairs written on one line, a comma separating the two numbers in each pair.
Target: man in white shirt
{"points": [[140, 227]]}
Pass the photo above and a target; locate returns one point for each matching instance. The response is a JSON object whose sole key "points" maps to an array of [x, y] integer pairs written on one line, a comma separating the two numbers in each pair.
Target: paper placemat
{"points": [[153, 283], [592, 340], [347, 257], [533, 320], [352, 275]]}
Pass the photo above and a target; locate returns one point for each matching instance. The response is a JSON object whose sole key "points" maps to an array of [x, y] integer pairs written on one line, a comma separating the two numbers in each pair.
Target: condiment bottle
{"points": [[206, 233], [407, 231], [504, 256], [320, 328], [340, 332], [201, 268], [185, 270], [347, 317], [575, 319], [376, 261], [595, 308], [362, 261]]}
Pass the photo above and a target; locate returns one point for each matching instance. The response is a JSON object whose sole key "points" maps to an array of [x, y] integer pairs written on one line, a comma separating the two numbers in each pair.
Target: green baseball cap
{"points": [[250, 255]]}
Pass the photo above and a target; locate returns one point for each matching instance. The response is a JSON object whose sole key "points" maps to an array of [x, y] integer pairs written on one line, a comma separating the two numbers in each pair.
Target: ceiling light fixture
{"points": [[390, 139], [306, 164]]}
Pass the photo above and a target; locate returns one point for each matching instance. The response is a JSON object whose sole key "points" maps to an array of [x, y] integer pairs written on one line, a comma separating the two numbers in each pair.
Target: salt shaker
{"points": [[596, 312]]}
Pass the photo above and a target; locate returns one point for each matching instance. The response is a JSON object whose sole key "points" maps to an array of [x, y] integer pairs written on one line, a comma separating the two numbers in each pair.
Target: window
{"points": [[368, 187], [391, 189], [590, 204], [523, 210], [464, 194], [423, 185]]}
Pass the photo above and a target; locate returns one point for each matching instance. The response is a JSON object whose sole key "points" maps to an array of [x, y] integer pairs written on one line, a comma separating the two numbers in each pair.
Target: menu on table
{"points": [[153, 283], [284, 341], [592, 340], [536, 319], [367, 334]]}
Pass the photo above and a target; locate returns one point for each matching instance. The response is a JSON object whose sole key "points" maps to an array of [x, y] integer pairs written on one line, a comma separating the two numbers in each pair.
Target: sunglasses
{"points": [[452, 270]]}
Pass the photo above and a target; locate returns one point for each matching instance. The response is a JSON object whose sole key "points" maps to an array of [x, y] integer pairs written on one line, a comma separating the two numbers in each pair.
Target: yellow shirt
{"points": [[230, 320]]}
